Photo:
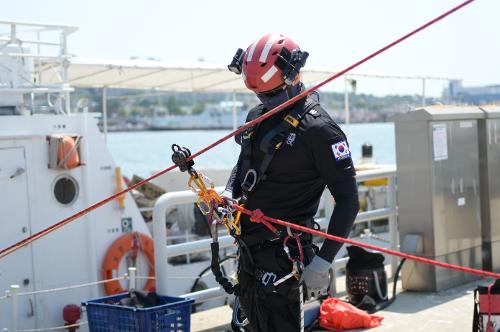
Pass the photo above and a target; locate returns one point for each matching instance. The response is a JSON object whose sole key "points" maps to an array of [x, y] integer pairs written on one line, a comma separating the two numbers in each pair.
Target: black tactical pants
{"points": [[269, 308]]}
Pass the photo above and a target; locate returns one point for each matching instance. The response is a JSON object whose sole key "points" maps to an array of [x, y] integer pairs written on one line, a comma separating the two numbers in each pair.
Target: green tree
{"points": [[172, 105], [198, 107]]}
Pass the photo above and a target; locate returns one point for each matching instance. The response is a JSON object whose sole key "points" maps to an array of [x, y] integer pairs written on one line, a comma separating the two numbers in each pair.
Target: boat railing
{"points": [[45, 60], [163, 251], [13, 294]]}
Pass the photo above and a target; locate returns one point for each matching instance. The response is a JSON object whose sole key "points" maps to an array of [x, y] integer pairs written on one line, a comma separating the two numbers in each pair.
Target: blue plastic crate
{"points": [[172, 315]]}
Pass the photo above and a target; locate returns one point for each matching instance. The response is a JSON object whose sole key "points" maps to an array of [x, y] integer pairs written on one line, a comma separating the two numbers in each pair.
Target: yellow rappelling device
{"points": [[209, 202]]}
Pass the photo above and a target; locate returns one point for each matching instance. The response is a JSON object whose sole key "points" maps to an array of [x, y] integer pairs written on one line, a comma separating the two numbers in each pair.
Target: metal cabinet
{"points": [[489, 152], [438, 191]]}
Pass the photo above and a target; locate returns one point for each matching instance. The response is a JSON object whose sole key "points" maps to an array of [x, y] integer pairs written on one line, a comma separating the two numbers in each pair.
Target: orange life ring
{"points": [[67, 153], [125, 244]]}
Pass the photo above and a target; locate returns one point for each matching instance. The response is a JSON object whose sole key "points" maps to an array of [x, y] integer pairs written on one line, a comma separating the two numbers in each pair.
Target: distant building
{"points": [[471, 95]]}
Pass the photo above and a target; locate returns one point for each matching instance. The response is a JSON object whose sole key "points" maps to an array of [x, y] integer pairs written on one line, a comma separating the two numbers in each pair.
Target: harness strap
{"points": [[270, 143], [246, 150], [216, 270]]}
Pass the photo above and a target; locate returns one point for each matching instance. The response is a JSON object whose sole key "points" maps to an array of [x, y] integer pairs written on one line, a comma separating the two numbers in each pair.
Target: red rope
{"points": [[22, 243], [370, 246]]}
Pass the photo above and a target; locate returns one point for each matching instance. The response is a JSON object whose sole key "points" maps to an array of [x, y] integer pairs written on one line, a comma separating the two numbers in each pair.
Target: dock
{"points": [[448, 310]]}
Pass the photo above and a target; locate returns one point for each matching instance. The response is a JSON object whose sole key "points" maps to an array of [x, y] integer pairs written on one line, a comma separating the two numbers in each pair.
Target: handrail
{"points": [[163, 252], [69, 29], [48, 48]]}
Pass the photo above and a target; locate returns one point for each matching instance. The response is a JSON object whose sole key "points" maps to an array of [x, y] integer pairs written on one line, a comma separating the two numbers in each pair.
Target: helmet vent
{"points": [[275, 52], [263, 64], [281, 41]]}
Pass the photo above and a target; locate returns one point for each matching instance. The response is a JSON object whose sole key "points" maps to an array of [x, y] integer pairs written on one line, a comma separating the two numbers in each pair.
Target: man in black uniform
{"points": [[285, 163]]}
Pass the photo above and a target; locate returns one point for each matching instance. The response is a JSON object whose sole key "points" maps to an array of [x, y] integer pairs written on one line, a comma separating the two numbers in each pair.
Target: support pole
{"points": [[13, 33], [235, 115], [65, 75], [393, 220], [423, 92], [105, 113], [39, 60], [346, 103], [131, 278], [14, 300]]}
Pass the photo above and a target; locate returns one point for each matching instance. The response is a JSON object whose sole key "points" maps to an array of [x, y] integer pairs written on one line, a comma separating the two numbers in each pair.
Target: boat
{"points": [[224, 115], [53, 163]]}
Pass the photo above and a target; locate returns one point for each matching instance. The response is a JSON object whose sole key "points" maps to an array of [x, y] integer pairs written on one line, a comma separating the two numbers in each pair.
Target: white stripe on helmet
{"points": [[267, 48], [269, 74], [252, 49]]}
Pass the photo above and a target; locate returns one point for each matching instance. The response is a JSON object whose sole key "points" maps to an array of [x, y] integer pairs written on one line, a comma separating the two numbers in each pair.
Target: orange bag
{"points": [[338, 315]]}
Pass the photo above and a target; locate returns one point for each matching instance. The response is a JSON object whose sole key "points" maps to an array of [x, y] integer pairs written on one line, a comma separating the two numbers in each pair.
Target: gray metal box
{"points": [[489, 174], [438, 191]]}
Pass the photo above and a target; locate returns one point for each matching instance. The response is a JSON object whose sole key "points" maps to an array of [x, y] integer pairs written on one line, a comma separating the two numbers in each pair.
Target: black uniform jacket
{"points": [[313, 156]]}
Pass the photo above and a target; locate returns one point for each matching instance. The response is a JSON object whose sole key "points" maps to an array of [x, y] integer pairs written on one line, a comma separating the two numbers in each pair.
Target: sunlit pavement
{"points": [[449, 310]]}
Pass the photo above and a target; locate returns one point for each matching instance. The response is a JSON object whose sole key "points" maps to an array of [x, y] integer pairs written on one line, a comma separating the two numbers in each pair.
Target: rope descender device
{"points": [[212, 205], [209, 202]]}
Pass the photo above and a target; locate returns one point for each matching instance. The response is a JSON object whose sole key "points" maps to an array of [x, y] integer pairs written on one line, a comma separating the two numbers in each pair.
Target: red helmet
{"points": [[259, 69]]}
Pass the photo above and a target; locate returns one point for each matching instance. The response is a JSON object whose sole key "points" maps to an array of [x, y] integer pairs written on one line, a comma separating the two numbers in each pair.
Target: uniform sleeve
{"points": [[332, 158]]}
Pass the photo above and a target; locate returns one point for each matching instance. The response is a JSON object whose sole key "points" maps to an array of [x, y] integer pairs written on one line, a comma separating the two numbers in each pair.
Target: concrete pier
{"points": [[448, 310]]}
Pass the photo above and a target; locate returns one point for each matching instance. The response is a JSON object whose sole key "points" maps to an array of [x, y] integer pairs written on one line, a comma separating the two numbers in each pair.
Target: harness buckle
{"points": [[291, 120], [248, 185]]}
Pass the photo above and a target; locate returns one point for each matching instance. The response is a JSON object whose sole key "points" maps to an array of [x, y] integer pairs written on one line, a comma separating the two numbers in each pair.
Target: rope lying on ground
{"points": [[258, 217], [34, 237]]}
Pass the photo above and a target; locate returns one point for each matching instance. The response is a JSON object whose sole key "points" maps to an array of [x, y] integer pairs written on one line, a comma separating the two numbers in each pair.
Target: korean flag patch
{"points": [[341, 151]]}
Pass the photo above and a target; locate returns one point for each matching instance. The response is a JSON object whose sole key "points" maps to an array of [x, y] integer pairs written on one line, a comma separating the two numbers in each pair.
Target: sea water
{"points": [[146, 152]]}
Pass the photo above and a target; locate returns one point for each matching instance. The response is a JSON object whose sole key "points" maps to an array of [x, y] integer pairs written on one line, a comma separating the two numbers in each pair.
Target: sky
{"points": [[465, 45]]}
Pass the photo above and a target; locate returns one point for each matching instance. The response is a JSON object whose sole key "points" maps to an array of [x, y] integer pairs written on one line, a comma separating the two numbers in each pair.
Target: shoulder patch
{"points": [[341, 151]]}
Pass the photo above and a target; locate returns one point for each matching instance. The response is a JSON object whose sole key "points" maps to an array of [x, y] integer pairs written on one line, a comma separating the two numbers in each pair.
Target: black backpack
{"points": [[366, 280]]}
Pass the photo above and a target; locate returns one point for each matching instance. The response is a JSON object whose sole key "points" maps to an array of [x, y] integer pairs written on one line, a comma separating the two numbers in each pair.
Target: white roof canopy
{"points": [[149, 74]]}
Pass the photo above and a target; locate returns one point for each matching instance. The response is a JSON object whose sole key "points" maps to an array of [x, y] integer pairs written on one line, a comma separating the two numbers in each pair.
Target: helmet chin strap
{"points": [[279, 98]]}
